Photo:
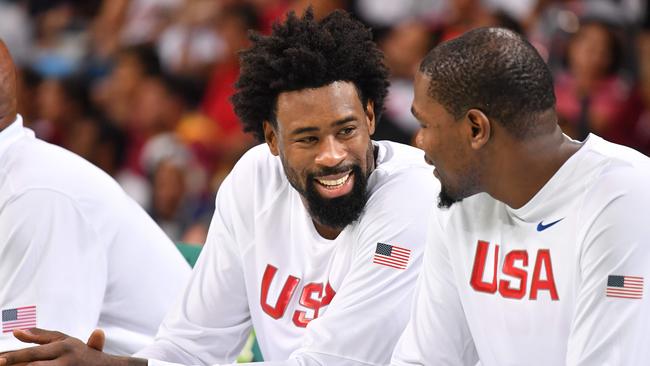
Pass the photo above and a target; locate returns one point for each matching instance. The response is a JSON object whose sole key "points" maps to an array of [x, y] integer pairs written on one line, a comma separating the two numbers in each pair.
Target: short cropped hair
{"points": [[496, 71], [305, 53]]}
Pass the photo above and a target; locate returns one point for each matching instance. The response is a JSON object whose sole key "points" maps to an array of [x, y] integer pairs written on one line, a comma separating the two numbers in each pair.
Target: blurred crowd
{"points": [[141, 88]]}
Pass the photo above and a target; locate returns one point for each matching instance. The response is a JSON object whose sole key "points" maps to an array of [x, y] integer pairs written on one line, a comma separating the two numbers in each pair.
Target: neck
{"points": [[6, 119], [515, 181], [326, 232]]}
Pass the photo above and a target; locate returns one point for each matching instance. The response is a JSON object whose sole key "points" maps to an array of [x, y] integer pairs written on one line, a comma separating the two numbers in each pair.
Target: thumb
{"points": [[96, 340]]}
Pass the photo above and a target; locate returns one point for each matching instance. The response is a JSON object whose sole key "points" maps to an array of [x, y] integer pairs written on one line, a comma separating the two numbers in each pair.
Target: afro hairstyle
{"points": [[303, 53]]}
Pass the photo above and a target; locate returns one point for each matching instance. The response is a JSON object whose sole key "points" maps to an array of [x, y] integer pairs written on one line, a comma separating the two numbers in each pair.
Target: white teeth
{"points": [[333, 183]]}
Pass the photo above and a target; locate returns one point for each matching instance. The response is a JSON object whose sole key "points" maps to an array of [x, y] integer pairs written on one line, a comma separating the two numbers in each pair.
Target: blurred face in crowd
{"points": [[405, 46], [154, 108], [590, 51], [323, 138], [51, 100], [443, 141], [168, 189]]}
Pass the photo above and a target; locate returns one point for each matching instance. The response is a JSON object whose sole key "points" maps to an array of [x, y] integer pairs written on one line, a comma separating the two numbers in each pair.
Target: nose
{"points": [[331, 152], [419, 140]]}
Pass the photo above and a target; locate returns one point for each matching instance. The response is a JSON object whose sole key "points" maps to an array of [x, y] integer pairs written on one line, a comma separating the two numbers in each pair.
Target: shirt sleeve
{"points": [[612, 312], [211, 322], [51, 260], [437, 332]]}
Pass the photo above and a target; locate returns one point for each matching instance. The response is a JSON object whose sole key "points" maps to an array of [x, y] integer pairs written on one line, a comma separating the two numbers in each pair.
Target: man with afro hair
{"points": [[317, 238]]}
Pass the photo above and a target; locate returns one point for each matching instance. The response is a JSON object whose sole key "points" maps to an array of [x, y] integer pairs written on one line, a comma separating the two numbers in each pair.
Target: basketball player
{"points": [[542, 255], [317, 235]]}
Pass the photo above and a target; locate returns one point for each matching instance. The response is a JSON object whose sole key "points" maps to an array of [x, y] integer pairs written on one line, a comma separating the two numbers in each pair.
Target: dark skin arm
{"points": [[58, 349]]}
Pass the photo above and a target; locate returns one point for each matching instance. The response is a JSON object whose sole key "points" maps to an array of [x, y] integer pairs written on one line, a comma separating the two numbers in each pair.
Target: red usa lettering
{"points": [[314, 296], [505, 287]]}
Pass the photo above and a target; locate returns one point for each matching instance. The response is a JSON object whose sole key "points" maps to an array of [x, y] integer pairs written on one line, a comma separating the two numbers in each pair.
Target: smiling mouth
{"points": [[334, 183]]}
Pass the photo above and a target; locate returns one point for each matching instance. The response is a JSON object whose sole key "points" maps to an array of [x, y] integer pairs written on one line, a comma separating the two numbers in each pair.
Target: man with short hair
{"points": [[76, 253], [542, 255], [317, 235]]}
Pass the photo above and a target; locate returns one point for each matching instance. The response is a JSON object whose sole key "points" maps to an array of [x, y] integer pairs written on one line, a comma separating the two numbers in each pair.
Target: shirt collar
{"points": [[11, 134]]}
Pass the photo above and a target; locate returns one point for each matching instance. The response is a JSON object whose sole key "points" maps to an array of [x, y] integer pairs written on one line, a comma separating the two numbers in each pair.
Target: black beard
{"points": [[445, 200], [341, 211]]}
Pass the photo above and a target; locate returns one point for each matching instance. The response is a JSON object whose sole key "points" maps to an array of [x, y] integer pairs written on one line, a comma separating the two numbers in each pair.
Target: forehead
{"points": [[421, 99], [324, 105], [424, 105]]}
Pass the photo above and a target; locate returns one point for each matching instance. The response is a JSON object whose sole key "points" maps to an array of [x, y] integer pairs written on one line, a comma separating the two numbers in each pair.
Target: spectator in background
{"points": [[232, 25], [179, 199], [190, 45], [60, 41], [61, 105], [114, 94], [591, 94], [404, 46]]}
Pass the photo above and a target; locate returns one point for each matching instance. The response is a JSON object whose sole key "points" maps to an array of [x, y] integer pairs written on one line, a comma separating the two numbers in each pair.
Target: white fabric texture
{"points": [[74, 245]]}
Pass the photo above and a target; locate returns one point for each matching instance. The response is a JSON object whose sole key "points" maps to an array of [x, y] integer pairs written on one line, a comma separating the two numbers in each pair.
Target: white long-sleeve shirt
{"points": [[76, 253], [311, 301], [559, 281]]}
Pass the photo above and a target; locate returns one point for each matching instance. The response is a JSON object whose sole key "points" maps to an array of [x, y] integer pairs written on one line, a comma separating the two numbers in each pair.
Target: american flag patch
{"points": [[626, 287], [18, 318], [392, 256]]}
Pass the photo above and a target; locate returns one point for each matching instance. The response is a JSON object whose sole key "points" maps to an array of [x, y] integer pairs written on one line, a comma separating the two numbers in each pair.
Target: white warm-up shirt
{"points": [[311, 301], [559, 281], [76, 253]]}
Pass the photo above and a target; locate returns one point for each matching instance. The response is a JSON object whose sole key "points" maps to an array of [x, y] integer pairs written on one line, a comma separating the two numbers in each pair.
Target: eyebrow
{"points": [[336, 123]]}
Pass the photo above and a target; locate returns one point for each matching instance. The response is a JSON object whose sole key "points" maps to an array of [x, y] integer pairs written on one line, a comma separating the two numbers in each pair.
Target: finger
{"points": [[32, 354], [39, 336], [96, 340]]}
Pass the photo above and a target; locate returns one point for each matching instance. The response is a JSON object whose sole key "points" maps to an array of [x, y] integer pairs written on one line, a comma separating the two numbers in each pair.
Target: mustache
{"points": [[333, 170]]}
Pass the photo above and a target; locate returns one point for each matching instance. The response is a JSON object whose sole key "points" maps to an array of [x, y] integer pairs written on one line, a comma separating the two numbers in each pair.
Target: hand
{"points": [[57, 349]]}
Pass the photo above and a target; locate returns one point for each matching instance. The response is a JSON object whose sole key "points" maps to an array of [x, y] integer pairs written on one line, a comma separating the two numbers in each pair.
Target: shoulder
{"points": [[401, 171], [402, 192], [32, 164], [256, 181], [258, 167], [616, 170]]}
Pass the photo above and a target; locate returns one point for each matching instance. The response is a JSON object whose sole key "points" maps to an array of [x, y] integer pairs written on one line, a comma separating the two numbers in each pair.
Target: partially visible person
{"points": [[404, 46], [542, 255], [233, 25], [75, 252], [592, 95]]}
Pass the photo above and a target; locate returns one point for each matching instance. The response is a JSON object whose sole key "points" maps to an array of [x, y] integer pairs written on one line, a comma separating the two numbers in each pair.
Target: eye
{"points": [[307, 140], [347, 131]]}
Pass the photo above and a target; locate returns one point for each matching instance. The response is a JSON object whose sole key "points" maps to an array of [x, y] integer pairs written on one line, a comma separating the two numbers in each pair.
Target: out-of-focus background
{"points": [[141, 88]]}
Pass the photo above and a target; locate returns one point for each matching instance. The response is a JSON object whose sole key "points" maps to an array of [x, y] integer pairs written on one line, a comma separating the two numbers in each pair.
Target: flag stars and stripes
{"points": [[391, 256], [626, 287], [18, 318]]}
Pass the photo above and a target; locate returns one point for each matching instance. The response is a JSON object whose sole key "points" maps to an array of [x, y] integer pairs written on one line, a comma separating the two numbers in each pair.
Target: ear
{"points": [[480, 128], [270, 137], [370, 117]]}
